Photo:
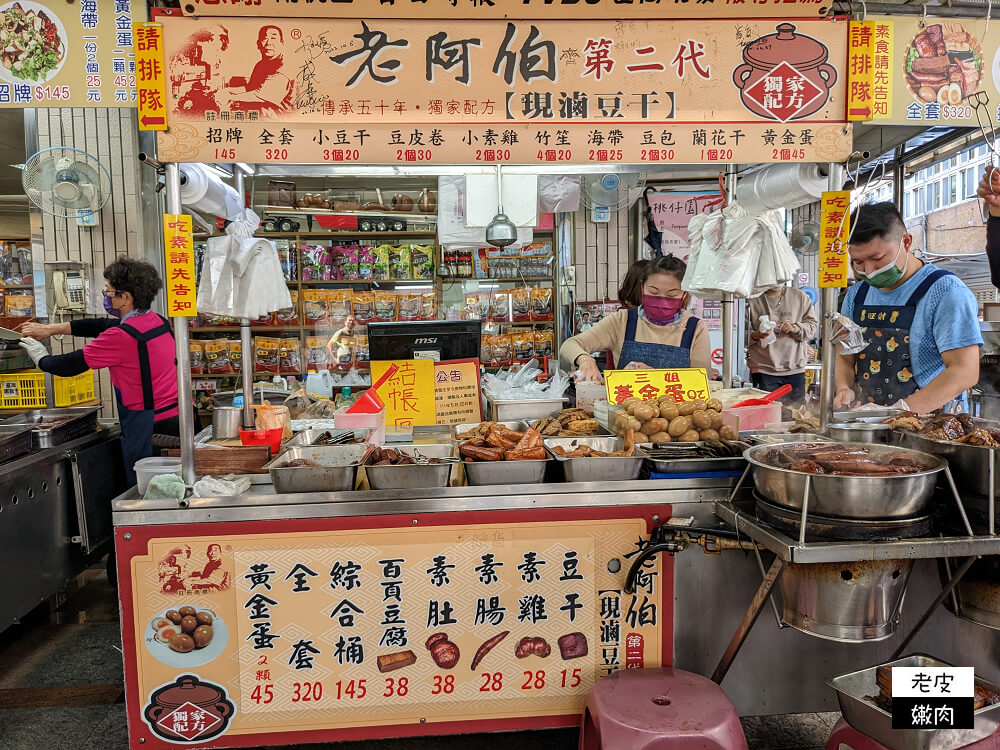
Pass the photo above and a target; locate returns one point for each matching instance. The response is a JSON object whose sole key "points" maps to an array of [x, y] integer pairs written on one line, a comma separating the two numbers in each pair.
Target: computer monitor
{"points": [[430, 339]]}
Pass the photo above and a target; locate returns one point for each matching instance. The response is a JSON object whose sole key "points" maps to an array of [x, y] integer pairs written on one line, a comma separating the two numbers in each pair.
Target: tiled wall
{"points": [[602, 253]]}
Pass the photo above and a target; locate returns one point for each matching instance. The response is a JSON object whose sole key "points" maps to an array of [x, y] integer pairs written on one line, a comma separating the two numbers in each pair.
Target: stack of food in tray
{"points": [[958, 428], [568, 423], [494, 442], [665, 421], [883, 680]]}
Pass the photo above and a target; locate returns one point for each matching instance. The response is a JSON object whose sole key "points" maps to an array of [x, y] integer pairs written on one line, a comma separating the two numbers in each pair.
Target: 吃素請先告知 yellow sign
{"points": [[834, 230], [409, 394], [178, 242], [686, 384], [150, 76]]}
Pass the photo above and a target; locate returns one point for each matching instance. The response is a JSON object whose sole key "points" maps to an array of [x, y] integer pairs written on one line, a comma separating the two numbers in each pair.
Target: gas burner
{"points": [[827, 528]]}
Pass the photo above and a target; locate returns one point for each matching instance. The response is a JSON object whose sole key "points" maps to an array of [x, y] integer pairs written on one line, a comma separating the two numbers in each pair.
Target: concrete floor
{"points": [[77, 649]]}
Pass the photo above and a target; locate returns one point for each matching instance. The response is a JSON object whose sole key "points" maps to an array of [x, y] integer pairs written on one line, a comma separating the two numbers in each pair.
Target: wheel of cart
{"points": [[847, 737], [659, 709]]}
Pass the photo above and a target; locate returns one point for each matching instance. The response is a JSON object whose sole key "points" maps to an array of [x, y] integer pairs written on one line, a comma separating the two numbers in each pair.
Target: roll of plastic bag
{"points": [[203, 191], [781, 186]]}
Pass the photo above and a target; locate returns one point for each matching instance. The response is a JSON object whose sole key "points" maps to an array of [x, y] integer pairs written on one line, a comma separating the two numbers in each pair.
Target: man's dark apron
{"points": [[884, 370], [656, 356], [137, 424]]}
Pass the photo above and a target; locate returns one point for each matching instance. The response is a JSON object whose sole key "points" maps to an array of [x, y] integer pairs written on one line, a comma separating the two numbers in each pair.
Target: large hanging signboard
{"points": [[934, 71], [68, 55], [492, 91], [243, 634], [617, 10]]}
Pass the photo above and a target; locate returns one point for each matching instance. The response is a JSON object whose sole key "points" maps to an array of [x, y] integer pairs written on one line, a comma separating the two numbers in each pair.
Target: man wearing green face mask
{"points": [[921, 322]]}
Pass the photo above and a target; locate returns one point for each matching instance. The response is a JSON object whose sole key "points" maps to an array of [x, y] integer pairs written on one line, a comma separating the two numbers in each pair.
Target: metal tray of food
{"points": [[327, 437], [767, 438], [854, 689], [524, 408], [14, 442], [505, 472], [970, 464], [334, 468], [413, 476], [597, 469], [695, 465], [461, 428], [51, 427]]}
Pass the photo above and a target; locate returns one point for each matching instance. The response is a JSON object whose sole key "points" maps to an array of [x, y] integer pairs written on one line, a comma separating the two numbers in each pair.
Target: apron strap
{"points": [[145, 373], [633, 319], [689, 330], [859, 298], [925, 286]]}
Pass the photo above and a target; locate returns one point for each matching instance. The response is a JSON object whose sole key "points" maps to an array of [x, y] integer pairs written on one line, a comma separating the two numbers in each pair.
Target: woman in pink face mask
{"points": [[660, 334]]}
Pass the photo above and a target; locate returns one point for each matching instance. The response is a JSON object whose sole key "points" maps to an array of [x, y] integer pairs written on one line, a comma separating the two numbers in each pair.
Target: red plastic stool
{"points": [[846, 736], [659, 709]]}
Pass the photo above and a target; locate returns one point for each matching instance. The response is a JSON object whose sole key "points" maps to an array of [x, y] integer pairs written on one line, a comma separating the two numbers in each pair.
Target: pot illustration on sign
{"points": [[188, 710], [785, 76]]}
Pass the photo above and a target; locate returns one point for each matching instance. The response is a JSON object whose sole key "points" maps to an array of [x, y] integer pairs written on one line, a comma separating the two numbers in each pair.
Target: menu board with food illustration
{"points": [[360, 631], [75, 55], [930, 71]]}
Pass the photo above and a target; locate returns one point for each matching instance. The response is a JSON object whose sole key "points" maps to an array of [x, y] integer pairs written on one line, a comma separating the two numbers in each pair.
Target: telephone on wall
{"points": [[68, 291]]}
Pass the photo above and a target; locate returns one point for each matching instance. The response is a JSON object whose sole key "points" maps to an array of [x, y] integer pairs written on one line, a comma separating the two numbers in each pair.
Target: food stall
{"points": [[293, 614]]}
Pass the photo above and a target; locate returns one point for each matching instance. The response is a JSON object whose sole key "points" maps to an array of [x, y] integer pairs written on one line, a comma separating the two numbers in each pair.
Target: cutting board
{"points": [[243, 459]]}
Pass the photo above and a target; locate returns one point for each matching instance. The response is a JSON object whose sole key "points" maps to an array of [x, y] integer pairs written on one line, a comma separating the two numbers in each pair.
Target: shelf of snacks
{"points": [[421, 234]]}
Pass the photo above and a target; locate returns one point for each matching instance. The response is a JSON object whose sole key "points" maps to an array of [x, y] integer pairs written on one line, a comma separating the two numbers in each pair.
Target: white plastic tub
{"points": [[147, 468]]}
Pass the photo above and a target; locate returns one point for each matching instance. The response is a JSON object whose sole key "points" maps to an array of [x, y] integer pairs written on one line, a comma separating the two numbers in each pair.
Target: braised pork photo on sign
{"points": [[943, 65]]}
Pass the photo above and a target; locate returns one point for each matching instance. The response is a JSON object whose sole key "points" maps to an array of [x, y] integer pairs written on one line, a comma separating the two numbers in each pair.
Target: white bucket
{"points": [[147, 468]]}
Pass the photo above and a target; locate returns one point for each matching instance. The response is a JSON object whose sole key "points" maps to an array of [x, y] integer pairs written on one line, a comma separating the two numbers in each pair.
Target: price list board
{"points": [[387, 628]]}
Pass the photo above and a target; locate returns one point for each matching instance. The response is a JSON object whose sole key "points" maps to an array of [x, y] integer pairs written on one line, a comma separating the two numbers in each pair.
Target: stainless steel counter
{"points": [[55, 517]]}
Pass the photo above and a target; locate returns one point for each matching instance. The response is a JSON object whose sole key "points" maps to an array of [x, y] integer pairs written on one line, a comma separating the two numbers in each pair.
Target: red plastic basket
{"points": [[270, 438]]}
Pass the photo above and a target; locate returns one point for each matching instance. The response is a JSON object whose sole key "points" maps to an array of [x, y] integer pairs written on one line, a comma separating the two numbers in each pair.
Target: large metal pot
{"points": [[899, 496], [978, 593], [849, 602], [861, 432], [970, 463]]}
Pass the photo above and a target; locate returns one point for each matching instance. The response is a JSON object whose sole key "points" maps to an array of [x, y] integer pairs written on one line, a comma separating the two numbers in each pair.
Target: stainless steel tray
{"points": [[505, 472], [79, 421], [525, 409], [414, 476], [460, 428], [615, 469], [14, 442], [697, 465], [762, 438], [336, 468], [970, 464], [870, 719]]}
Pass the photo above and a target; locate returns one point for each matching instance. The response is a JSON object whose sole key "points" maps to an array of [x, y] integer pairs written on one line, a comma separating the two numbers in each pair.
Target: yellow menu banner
{"points": [[860, 69], [409, 393], [687, 384], [457, 394], [69, 55], [834, 231], [151, 82], [178, 240], [617, 10], [295, 632]]}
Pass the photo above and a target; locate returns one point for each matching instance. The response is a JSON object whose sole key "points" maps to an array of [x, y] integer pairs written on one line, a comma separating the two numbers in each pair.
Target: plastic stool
{"points": [[845, 735], [659, 709]]}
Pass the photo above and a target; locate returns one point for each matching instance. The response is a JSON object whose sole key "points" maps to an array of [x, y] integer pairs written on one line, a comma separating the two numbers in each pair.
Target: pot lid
{"points": [[189, 689], [798, 50]]}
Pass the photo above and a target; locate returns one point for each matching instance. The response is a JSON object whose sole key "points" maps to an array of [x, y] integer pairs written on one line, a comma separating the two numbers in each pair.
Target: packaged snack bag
{"points": [[385, 305], [524, 345], [544, 342], [235, 355], [485, 353], [317, 263], [19, 305], [339, 304], [361, 358], [520, 304], [268, 354], [217, 357], [423, 261], [541, 303], [400, 262], [314, 306], [380, 266], [409, 305], [471, 311], [346, 262], [502, 349], [196, 351], [290, 356], [364, 307], [316, 354], [289, 316], [500, 306], [366, 259], [429, 306]]}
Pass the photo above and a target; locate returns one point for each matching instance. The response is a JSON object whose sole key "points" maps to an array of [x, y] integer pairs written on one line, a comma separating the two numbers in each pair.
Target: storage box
{"points": [[755, 417], [26, 389]]}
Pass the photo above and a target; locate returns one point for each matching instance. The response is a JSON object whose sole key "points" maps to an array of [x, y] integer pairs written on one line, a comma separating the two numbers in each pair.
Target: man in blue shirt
{"points": [[922, 322]]}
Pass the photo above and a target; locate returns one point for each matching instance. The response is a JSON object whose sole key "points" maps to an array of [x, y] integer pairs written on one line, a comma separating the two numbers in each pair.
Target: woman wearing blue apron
{"points": [[921, 322], [659, 334]]}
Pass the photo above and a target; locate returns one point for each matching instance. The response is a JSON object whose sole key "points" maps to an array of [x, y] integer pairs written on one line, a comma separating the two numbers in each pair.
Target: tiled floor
{"points": [[85, 650]]}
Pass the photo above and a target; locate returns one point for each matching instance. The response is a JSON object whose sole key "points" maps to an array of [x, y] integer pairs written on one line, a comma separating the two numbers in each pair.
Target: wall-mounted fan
{"points": [[603, 194], [68, 183], [804, 238]]}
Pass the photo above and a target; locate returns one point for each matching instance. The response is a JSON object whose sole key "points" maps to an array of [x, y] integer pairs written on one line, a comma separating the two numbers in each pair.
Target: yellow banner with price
{"points": [[685, 384], [178, 243], [834, 231]]}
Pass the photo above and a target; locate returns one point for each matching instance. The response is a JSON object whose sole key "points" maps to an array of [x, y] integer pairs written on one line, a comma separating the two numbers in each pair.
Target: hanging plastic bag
{"points": [[848, 335]]}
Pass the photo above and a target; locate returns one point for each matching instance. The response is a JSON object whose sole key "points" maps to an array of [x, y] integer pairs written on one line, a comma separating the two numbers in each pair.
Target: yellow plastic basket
{"points": [[25, 389]]}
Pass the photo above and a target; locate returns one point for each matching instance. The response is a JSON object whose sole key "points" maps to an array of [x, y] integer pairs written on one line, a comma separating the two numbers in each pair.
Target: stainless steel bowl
{"points": [[900, 496], [861, 432], [970, 463]]}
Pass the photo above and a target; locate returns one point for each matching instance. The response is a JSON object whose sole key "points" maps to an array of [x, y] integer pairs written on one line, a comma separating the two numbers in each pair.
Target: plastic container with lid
{"points": [[147, 468], [756, 417], [587, 393]]}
